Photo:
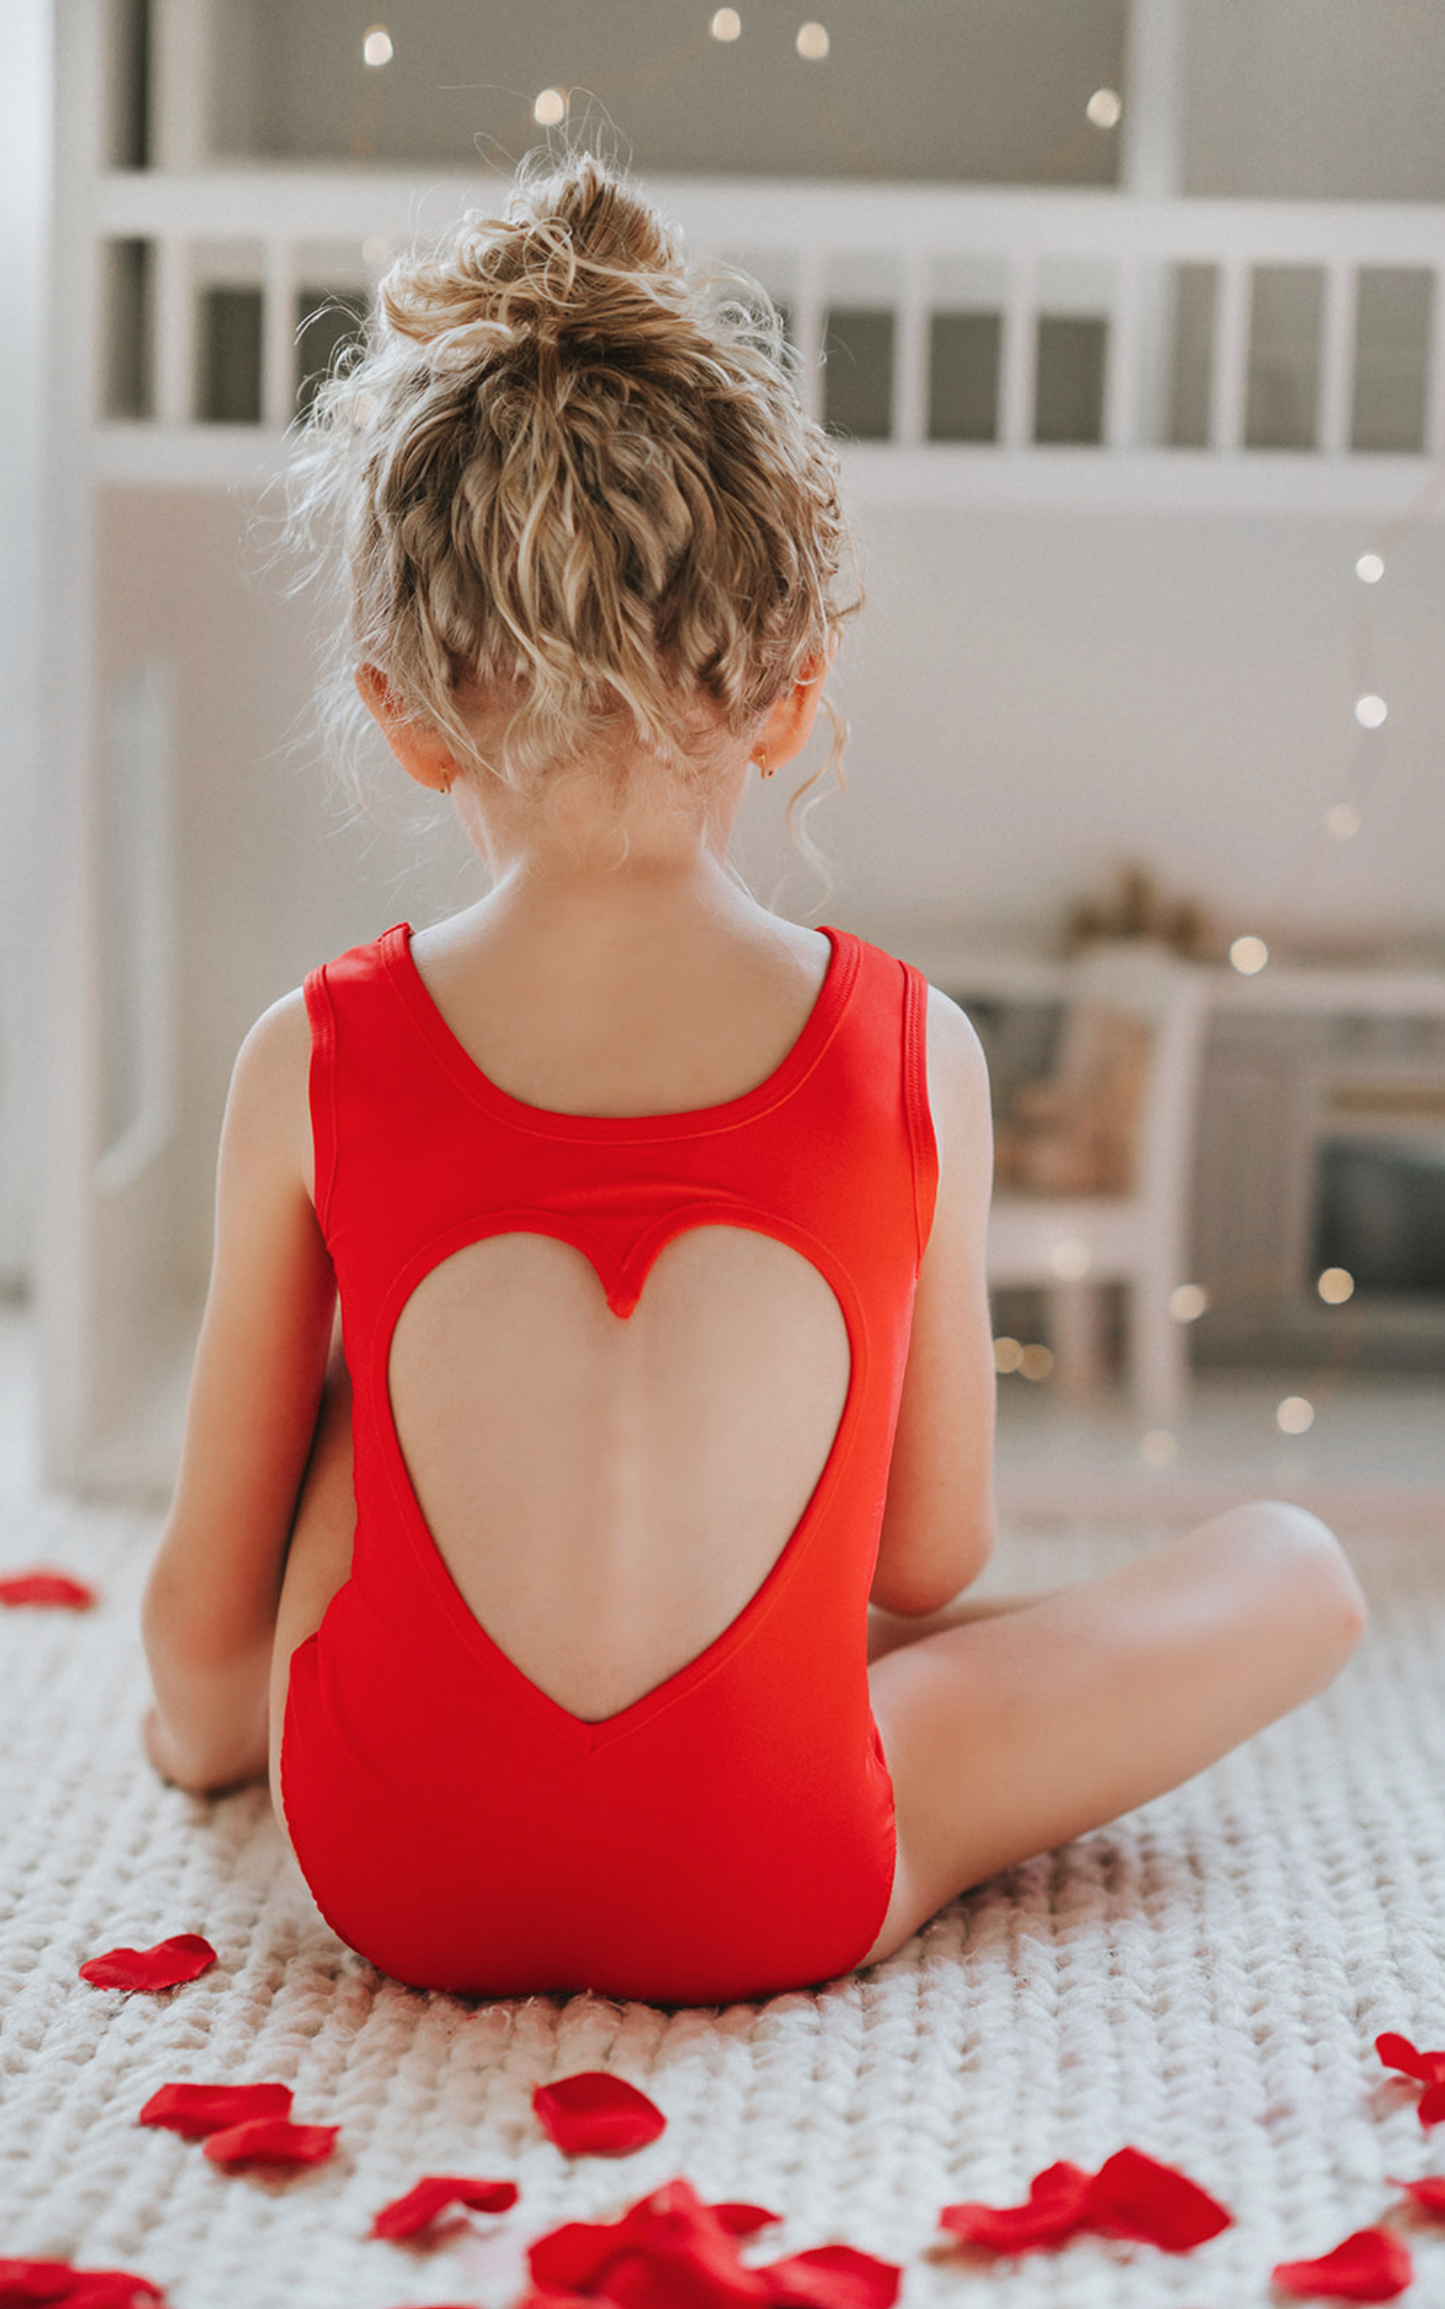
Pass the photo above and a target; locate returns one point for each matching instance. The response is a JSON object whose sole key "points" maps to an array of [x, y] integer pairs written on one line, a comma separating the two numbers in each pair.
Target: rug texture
{"points": [[1204, 1980]]}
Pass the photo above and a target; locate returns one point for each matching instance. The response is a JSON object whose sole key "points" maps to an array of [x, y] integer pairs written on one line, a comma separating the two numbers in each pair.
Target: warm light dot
{"points": [[550, 107], [726, 25], [1036, 1362], [1007, 1354], [1294, 1415], [1187, 1302], [376, 47], [1369, 569], [1158, 1447], [1342, 823], [1370, 711], [813, 42], [375, 251], [1248, 955], [1105, 107], [1336, 1285], [1071, 1258]]}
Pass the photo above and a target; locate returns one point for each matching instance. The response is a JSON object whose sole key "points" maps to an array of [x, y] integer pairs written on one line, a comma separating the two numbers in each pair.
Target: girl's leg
{"points": [[1015, 1731], [319, 1559]]}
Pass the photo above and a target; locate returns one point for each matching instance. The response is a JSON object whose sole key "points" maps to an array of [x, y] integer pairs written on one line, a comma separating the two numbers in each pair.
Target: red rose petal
{"points": [[597, 2115], [1430, 2108], [1132, 2195], [668, 2251], [196, 2110], [46, 1587], [1056, 2209], [832, 2277], [407, 2216], [272, 2141], [1397, 2052], [1428, 2194], [35, 2284], [1369, 2266], [183, 1957], [743, 2220]]}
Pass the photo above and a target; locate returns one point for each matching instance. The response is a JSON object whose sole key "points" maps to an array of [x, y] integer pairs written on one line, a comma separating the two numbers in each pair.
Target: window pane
{"points": [[963, 371], [858, 373]]}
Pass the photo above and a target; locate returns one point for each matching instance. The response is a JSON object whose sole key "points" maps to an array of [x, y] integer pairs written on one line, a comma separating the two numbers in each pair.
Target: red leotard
{"points": [[730, 1834]]}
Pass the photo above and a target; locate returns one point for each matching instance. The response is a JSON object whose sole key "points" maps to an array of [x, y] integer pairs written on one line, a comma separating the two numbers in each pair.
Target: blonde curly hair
{"points": [[571, 468]]}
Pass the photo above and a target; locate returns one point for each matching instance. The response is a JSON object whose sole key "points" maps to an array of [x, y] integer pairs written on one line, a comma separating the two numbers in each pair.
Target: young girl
{"points": [[657, 1224]]}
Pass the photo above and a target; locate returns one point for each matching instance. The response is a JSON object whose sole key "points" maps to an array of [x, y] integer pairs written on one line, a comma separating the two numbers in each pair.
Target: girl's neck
{"points": [[632, 832]]}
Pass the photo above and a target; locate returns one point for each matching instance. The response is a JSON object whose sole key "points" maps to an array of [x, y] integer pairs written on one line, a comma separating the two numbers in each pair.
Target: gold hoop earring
{"points": [[760, 757]]}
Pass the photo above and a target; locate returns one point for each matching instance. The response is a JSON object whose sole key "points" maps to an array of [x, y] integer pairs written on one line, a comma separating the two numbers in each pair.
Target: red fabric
{"points": [[730, 1833]]}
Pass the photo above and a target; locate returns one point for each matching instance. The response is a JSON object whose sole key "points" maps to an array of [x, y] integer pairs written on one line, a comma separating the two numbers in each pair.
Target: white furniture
{"points": [[1070, 1245]]}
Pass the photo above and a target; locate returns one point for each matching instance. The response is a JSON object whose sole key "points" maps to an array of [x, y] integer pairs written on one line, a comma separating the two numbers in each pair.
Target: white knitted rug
{"points": [[1204, 1980]]}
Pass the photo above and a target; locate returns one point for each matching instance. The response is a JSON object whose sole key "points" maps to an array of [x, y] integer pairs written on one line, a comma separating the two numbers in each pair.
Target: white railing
{"points": [[911, 252]]}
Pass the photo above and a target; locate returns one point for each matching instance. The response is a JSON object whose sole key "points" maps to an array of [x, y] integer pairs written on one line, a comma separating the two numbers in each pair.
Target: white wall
{"points": [[1038, 696], [1315, 99], [24, 164]]}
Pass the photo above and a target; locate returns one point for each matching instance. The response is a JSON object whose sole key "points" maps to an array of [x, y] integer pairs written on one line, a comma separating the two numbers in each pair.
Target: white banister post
{"points": [[910, 354], [278, 336], [1149, 159], [808, 327], [1337, 358], [175, 359], [180, 82], [1435, 368], [1123, 381], [1151, 168], [1229, 368], [1018, 361]]}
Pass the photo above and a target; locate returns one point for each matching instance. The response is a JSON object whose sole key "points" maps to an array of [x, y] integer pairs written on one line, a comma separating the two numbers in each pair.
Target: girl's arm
{"points": [[938, 1528], [209, 1614]]}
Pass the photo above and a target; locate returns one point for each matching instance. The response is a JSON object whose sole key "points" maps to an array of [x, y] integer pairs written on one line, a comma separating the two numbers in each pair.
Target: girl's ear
{"points": [[422, 752], [789, 724]]}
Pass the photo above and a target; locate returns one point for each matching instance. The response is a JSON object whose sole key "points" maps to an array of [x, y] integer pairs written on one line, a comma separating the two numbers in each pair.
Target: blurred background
{"points": [[1129, 316]]}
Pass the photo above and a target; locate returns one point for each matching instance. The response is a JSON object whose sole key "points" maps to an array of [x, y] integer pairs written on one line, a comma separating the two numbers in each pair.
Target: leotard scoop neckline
{"points": [[817, 1031]]}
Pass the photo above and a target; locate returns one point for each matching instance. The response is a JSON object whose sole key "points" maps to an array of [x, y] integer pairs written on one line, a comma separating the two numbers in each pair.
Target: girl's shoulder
{"points": [[958, 1093], [268, 1113]]}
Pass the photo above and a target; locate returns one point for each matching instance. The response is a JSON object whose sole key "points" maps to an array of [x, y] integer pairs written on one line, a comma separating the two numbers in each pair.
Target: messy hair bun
{"points": [[569, 465]]}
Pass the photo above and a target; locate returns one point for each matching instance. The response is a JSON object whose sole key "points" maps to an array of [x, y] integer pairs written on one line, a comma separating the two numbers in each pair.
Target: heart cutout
{"points": [[608, 1495]]}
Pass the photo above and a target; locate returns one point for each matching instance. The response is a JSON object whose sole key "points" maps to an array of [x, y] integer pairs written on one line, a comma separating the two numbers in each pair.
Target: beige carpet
{"points": [[1204, 1980]]}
